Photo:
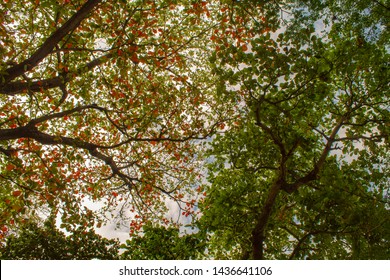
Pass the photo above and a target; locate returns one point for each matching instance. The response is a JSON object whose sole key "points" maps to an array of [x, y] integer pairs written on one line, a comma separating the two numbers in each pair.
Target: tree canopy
{"points": [[162, 243], [304, 173], [263, 123], [36, 241], [103, 100]]}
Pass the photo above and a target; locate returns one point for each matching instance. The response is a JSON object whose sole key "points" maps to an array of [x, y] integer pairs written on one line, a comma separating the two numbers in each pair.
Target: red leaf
{"points": [[16, 193], [134, 58], [10, 167]]}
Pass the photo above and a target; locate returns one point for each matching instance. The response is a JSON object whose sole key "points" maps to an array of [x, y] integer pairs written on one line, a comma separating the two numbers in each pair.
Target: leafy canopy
{"points": [[104, 101], [303, 172], [111, 101], [36, 241]]}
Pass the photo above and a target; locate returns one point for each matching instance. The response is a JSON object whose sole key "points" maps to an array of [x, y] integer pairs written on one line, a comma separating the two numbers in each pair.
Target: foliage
{"points": [[115, 102], [303, 172], [161, 243], [46, 242], [104, 101]]}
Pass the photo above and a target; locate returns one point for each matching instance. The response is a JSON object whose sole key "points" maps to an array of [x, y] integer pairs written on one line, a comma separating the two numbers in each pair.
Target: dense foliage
{"points": [[103, 101], [46, 242], [160, 243], [264, 123], [303, 175]]}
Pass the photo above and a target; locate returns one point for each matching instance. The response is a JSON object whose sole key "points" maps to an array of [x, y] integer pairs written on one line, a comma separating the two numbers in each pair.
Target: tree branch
{"points": [[258, 233], [312, 175], [45, 118], [376, 138], [268, 130], [14, 88], [49, 44]]}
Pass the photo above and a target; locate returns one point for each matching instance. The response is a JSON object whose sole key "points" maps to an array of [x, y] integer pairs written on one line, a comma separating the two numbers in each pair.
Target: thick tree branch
{"points": [[14, 88], [49, 44], [258, 233], [31, 132], [313, 174]]}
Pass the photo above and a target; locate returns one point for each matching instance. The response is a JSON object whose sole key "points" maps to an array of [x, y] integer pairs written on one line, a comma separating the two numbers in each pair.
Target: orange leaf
{"points": [[134, 58], [16, 193], [10, 167]]}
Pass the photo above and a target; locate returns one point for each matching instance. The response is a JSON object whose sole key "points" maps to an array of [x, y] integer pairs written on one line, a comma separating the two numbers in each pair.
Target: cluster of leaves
{"points": [[161, 243], [45, 242], [36, 241]]}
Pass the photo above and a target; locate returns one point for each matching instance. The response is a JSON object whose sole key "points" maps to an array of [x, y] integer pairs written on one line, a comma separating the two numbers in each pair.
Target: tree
{"points": [[161, 243], [104, 101], [302, 173], [46, 242]]}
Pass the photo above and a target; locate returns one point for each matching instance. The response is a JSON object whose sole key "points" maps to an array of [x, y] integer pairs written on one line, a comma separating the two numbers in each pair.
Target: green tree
{"points": [[45, 242], [303, 172], [161, 243]]}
